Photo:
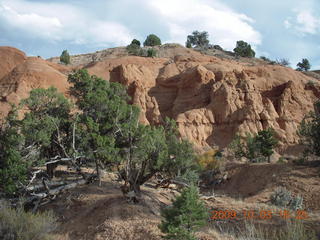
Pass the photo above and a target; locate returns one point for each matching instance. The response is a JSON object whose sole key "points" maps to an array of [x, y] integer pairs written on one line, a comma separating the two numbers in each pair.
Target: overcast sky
{"points": [[275, 28]]}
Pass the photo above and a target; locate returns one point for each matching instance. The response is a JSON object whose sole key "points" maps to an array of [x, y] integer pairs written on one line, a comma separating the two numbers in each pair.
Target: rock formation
{"points": [[210, 98]]}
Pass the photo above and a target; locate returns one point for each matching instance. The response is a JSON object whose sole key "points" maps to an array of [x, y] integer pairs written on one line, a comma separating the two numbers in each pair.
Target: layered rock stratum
{"points": [[211, 98]]}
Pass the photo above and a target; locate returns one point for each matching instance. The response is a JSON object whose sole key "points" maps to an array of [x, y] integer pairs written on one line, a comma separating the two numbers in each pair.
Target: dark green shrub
{"points": [[152, 40], [256, 148], [243, 49], [217, 47], [65, 57], [185, 216], [304, 65], [135, 42], [198, 39], [13, 169]]}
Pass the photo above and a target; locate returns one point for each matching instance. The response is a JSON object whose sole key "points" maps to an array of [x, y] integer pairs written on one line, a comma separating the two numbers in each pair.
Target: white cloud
{"points": [[224, 25], [287, 24], [307, 23], [35, 23], [61, 22]]}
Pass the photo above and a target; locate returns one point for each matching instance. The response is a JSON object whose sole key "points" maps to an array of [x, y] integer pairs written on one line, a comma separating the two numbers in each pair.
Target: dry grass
{"points": [[16, 224]]}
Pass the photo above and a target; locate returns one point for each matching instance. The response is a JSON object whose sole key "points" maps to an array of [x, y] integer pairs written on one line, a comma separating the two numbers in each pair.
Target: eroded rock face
{"points": [[210, 98], [213, 99], [26, 74]]}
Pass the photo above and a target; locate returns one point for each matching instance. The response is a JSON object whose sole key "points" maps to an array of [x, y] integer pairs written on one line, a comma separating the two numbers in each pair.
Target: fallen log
{"points": [[59, 189]]}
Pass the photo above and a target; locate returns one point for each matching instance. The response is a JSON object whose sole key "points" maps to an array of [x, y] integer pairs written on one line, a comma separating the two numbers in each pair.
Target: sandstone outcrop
{"points": [[211, 98]]}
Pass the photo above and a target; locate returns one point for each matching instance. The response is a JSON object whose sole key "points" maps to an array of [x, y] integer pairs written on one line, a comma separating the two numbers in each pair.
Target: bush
{"points": [[134, 49], [283, 198], [243, 49], [152, 52], [265, 59], [309, 132], [211, 160], [217, 47], [198, 39], [256, 148], [152, 40], [13, 170], [16, 224], [283, 62], [304, 65], [135, 42], [185, 216], [65, 57]]}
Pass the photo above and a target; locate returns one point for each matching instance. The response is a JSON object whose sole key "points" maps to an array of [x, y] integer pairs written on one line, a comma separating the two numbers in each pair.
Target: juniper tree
{"points": [[152, 40], [198, 39], [243, 49], [186, 215], [304, 65], [65, 57], [13, 169]]}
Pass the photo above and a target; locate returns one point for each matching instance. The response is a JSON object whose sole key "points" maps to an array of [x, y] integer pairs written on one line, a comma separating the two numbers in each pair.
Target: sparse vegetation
{"points": [[152, 40], [185, 216], [65, 57], [152, 52], [16, 224], [309, 131], [282, 197], [211, 160], [243, 49], [198, 39], [304, 65], [283, 62], [255, 148]]}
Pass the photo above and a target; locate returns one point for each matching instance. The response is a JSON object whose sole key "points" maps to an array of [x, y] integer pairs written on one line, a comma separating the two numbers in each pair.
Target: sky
{"points": [[275, 28]]}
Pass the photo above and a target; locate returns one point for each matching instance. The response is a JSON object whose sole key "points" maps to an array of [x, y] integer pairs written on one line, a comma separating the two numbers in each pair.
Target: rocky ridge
{"points": [[211, 98]]}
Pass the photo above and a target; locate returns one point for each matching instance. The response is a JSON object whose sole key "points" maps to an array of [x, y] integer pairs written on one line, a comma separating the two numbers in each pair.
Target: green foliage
{"points": [[255, 148], [16, 224], [265, 59], [152, 52], [152, 40], [282, 197], [46, 123], [237, 147], [217, 47], [188, 44], [265, 142], [135, 42], [185, 216], [198, 39], [304, 65], [105, 114], [181, 156], [13, 169], [309, 131], [243, 49], [134, 47], [65, 57], [108, 133]]}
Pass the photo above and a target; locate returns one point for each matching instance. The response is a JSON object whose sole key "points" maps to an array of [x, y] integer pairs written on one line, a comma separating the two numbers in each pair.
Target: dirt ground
{"points": [[93, 212]]}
